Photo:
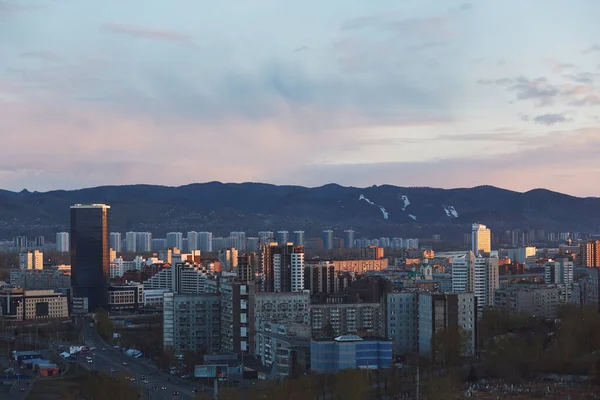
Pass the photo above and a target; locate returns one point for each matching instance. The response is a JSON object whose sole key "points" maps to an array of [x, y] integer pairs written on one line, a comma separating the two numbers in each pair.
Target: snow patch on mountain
{"points": [[362, 197], [386, 215], [451, 211], [406, 202], [413, 217]]}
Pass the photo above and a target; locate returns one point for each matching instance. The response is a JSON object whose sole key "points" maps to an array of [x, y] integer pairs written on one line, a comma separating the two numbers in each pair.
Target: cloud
{"points": [[538, 89], [42, 55], [148, 33], [497, 136], [558, 66], [550, 119], [589, 100], [11, 7], [582, 77], [592, 49], [301, 48], [428, 45], [528, 169]]}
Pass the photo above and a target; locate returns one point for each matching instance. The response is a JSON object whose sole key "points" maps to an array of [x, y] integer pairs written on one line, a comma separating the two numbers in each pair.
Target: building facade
{"points": [[401, 316], [90, 254], [349, 352], [481, 239], [340, 319], [438, 312], [21, 305], [192, 322]]}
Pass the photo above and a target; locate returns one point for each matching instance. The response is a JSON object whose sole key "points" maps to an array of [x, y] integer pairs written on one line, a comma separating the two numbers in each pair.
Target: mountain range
{"points": [[372, 211]]}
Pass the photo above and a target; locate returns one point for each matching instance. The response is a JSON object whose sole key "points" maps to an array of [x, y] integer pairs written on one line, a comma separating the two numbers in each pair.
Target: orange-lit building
{"points": [[590, 254]]}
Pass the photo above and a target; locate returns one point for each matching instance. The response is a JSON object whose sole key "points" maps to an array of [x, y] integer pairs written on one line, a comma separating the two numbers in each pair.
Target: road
{"points": [[109, 360]]}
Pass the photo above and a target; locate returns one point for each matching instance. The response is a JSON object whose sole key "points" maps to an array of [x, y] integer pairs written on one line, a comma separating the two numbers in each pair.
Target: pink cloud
{"points": [[148, 33]]}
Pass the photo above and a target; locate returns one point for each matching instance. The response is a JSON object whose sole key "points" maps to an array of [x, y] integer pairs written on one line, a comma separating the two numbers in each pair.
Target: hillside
{"points": [[376, 210]]}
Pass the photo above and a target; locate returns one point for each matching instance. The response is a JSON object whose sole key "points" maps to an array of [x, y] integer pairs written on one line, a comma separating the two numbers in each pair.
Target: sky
{"points": [[433, 93]]}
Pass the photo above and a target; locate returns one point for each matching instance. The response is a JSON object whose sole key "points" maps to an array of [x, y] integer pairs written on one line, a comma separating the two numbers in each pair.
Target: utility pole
{"points": [[418, 396]]}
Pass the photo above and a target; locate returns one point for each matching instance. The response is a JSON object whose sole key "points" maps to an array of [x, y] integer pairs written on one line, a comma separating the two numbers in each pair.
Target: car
{"points": [[132, 379], [175, 393], [90, 361], [195, 390], [146, 381], [164, 388], [112, 370], [124, 363], [103, 349], [143, 378], [22, 389]]}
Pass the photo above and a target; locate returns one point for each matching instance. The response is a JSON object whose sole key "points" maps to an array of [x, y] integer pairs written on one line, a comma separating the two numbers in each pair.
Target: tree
{"points": [[192, 358], [448, 346], [103, 324], [166, 358], [351, 385]]}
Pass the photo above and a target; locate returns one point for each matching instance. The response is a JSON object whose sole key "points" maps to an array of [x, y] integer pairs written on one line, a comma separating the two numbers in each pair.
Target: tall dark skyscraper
{"points": [[90, 240]]}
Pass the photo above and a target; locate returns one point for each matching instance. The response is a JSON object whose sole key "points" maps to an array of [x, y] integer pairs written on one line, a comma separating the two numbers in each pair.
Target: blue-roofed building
{"points": [[350, 352]]}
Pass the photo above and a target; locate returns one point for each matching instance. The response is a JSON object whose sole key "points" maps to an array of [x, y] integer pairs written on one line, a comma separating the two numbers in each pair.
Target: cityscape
{"points": [[194, 316], [299, 200]]}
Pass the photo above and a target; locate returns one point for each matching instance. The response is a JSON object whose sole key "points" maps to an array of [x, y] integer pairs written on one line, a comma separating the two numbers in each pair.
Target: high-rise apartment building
{"points": [[401, 317], [481, 239], [205, 240], [590, 254], [90, 252], [349, 238], [237, 301], [328, 239], [62, 242], [282, 267], [228, 259], [143, 242], [283, 237], [130, 242], [560, 272], [31, 260], [265, 237], [175, 239], [479, 275], [115, 241], [192, 322], [299, 238], [192, 240], [438, 312], [238, 240]]}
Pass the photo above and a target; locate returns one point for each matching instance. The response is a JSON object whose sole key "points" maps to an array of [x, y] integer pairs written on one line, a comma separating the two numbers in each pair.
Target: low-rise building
{"points": [[20, 305], [349, 352], [126, 296]]}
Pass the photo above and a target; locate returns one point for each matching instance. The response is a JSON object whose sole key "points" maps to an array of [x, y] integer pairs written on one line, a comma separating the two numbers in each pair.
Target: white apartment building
{"points": [[31, 260], [115, 241], [130, 242], [479, 275], [560, 273], [179, 278], [175, 239], [481, 239], [62, 242]]}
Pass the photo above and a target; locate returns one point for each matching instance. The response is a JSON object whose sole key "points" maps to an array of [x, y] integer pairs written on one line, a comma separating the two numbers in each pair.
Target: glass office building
{"points": [[349, 352], [90, 241]]}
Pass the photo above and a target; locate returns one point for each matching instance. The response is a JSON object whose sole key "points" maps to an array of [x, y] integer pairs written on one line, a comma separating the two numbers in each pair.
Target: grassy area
{"points": [[65, 388]]}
